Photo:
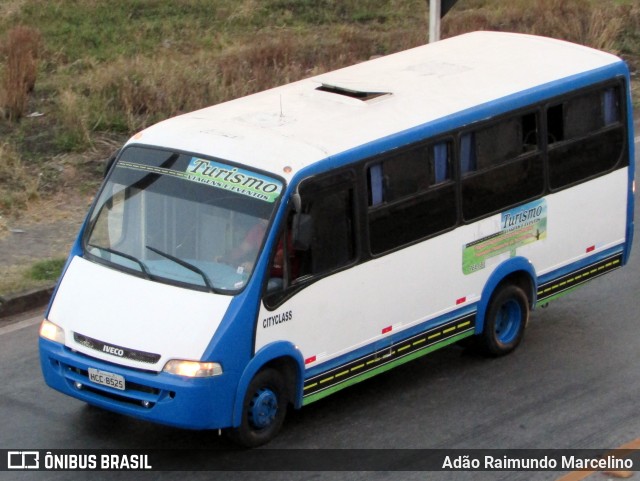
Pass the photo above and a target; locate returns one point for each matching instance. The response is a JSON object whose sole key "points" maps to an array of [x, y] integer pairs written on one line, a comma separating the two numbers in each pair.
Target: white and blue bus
{"points": [[277, 248]]}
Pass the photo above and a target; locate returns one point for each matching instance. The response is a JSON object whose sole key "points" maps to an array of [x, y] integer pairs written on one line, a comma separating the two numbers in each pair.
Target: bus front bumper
{"points": [[192, 403]]}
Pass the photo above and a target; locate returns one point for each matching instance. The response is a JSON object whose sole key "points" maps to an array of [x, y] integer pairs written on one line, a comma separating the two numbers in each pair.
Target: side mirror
{"points": [[302, 231], [110, 162]]}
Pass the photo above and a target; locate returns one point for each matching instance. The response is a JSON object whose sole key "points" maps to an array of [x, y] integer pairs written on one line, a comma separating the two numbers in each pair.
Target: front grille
{"points": [[126, 353], [136, 394]]}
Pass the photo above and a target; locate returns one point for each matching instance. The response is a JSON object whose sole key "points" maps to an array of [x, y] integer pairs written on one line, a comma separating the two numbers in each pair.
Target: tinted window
{"points": [[586, 136], [320, 238], [501, 165], [411, 196]]}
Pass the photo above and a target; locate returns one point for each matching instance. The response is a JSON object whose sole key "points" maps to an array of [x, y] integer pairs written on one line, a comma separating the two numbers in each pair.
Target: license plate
{"points": [[106, 378]]}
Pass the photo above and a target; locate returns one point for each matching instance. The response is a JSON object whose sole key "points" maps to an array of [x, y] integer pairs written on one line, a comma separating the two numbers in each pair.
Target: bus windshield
{"points": [[182, 219]]}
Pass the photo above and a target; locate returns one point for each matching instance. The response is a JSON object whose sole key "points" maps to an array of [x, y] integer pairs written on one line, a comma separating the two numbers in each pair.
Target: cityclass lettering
{"points": [[277, 319], [520, 218], [113, 350]]}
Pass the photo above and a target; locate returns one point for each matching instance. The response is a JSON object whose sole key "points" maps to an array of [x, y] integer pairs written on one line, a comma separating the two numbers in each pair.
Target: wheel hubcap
{"points": [[508, 321], [264, 408]]}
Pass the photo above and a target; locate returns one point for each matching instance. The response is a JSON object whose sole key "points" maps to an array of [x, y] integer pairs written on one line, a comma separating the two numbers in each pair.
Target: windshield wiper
{"points": [[143, 268], [186, 265]]}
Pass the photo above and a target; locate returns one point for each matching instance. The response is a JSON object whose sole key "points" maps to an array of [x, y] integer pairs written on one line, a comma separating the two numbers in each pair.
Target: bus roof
{"points": [[298, 124]]}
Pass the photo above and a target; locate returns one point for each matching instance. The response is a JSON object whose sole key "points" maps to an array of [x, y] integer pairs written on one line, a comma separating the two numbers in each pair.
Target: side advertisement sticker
{"points": [[518, 227]]}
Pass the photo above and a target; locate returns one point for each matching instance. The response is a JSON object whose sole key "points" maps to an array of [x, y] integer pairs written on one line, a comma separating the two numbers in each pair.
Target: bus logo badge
{"points": [[113, 350]]}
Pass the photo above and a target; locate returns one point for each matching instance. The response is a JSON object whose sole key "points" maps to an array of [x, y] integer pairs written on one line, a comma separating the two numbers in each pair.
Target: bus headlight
{"points": [[193, 368], [50, 331]]}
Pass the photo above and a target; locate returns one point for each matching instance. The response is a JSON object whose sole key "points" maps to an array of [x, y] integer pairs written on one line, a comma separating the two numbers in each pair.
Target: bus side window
{"points": [[328, 216], [332, 246], [583, 115], [423, 202], [409, 173], [403, 175], [585, 135], [501, 165]]}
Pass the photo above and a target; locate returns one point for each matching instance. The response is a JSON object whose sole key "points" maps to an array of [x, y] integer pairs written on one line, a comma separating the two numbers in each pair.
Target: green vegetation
{"points": [[23, 277], [46, 270], [106, 69]]}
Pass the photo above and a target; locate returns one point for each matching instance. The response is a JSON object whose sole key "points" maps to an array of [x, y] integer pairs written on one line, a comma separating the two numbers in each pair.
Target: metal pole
{"points": [[434, 20]]}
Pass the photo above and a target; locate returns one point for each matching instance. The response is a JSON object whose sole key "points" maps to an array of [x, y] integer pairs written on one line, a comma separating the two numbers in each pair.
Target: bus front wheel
{"points": [[507, 316], [263, 410]]}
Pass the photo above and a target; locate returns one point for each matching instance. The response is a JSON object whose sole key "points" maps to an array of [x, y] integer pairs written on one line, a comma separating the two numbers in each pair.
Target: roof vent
{"points": [[354, 94]]}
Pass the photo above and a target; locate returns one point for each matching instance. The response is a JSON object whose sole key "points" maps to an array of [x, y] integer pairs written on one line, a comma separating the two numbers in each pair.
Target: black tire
{"points": [[505, 320], [263, 410]]}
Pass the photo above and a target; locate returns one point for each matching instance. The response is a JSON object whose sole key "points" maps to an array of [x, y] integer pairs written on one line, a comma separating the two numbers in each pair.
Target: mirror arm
{"points": [[297, 202]]}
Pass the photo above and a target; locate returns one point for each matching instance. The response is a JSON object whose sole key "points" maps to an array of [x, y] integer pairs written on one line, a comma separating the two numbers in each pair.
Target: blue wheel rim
{"points": [[508, 321], [264, 408]]}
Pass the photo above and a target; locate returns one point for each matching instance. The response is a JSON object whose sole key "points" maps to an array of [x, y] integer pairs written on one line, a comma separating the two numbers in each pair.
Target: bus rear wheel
{"points": [[507, 316], [263, 410]]}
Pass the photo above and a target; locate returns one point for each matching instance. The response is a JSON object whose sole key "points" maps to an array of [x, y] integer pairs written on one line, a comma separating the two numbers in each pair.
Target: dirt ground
{"points": [[45, 231]]}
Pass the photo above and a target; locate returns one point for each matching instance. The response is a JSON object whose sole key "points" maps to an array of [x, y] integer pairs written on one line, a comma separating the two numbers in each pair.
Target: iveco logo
{"points": [[113, 350]]}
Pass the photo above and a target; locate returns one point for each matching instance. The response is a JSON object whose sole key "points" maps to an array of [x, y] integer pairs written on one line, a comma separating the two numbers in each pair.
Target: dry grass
{"points": [[9, 9], [18, 184], [73, 116], [596, 24], [135, 92], [21, 50]]}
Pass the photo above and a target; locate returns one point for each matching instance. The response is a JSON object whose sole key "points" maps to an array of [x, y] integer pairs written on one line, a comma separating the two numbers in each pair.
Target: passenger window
{"points": [[585, 135], [330, 232], [411, 196], [501, 165], [409, 173], [583, 115], [320, 238], [498, 143], [400, 176]]}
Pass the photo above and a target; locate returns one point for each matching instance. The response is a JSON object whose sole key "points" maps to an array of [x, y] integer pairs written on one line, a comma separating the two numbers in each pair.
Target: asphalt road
{"points": [[573, 383]]}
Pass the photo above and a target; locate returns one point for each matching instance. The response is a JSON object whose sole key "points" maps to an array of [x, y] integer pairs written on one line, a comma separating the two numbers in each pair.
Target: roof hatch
{"points": [[352, 93]]}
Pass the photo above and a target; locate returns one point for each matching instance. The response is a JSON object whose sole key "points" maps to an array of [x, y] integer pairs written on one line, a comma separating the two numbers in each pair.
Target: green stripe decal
{"points": [[562, 285], [385, 367], [332, 380]]}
